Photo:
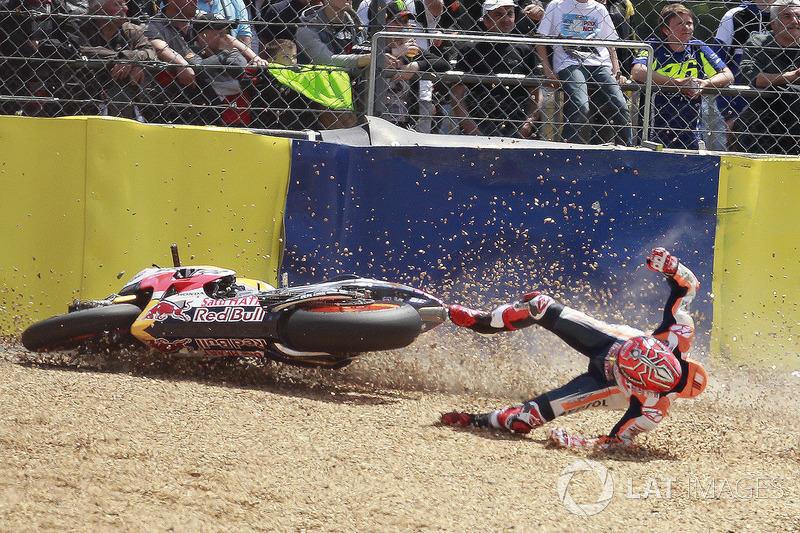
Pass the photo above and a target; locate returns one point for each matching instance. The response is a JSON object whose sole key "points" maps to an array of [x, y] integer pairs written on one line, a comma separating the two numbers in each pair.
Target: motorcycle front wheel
{"points": [[62, 331], [343, 328]]}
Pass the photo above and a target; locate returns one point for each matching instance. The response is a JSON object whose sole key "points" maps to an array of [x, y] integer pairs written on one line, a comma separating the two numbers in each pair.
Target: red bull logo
{"points": [[166, 345], [164, 310], [229, 314]]}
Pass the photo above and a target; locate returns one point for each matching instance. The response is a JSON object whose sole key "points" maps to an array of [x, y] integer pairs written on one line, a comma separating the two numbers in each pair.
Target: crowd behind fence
{"points": [[462, 68]]}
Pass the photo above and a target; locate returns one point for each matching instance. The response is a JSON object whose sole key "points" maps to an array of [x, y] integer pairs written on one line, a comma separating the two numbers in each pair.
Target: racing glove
{"points": [[660, 260], [561, 438]]}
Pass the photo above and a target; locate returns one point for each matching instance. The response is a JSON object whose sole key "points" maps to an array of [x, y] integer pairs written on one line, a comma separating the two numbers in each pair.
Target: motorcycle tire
{"points": [[67, 329], [353, 328]]}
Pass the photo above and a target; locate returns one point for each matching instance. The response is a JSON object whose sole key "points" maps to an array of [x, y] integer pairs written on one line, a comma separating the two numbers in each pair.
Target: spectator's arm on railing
{"points": [[458, 95], [723, 78], [533, 110], [309, 42], [753, 63], [765, 79], [246, 51], [184, 72], [547, 68], [434, 7]]}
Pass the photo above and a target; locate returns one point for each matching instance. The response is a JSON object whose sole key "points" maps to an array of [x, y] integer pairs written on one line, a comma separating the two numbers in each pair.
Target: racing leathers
{"points": [[601, 385]]}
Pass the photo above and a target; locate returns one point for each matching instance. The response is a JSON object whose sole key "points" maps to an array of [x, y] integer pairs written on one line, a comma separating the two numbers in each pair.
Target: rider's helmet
{"points": [[646, 364]]}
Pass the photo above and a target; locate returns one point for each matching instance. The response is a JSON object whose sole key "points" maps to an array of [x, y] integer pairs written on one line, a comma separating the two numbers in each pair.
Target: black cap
{"points": [[212, 21], [396, 9]]}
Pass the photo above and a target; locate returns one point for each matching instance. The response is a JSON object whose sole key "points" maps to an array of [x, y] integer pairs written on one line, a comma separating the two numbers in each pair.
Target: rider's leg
{"points": [[586, 391]]}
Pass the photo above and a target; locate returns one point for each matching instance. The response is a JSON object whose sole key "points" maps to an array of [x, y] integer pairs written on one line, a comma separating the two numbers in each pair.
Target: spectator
{"points": [[117, 42], [527, 14], [170, 33], [573, 67], [737, 25], [215, 53], [397, 97], [304, 96], [423, 15], [280, 52], [497, 109], [280, 19], [623, 16], [233, 10], [35, 39], [683, 62], [771, 62], [332, 34]]}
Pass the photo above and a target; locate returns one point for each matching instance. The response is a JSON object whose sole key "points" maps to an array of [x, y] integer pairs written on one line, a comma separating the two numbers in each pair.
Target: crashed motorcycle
{"points": [[209, 312]]}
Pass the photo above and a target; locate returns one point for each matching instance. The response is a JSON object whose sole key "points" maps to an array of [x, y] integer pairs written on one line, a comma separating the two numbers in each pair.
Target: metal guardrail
{"points": [[379, 40]]}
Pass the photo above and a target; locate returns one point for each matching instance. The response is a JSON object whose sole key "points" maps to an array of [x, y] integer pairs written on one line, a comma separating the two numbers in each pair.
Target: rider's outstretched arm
{"points": [[677, 327], [528, 310]]}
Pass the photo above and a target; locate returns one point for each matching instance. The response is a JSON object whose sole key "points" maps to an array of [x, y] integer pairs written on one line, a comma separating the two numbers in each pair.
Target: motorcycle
{"points": [[209, 312]]}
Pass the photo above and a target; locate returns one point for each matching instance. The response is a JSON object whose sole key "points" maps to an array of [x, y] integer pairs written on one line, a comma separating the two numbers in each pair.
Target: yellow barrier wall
{"points": [[756, 263], [94, 197]]}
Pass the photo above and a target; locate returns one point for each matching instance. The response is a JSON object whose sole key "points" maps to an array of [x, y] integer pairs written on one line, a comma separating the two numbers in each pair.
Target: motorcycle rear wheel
{"points": [[353, 328], [62, 331]]}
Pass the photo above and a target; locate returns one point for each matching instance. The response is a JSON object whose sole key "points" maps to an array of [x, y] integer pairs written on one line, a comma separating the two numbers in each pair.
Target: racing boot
{"points": [[509, 317], [518, 418]]}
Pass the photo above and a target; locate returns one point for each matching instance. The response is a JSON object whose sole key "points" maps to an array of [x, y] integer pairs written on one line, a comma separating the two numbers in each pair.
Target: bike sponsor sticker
{"points": [[246, 301], [230, 344], [229, 314], [166, 345], [230, 353], [166, 309]]}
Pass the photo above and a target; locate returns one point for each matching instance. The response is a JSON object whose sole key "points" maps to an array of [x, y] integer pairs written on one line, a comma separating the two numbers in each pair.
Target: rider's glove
{"points": [[560, 437], [466, 317], [660, 260]]}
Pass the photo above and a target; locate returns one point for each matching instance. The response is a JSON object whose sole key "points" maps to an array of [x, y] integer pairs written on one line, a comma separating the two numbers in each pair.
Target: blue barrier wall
{"points": [[483, 225]]}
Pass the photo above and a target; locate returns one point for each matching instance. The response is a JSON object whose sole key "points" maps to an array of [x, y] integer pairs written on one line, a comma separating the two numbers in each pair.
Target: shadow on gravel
{"points": [[635, 454], [241, 373]]}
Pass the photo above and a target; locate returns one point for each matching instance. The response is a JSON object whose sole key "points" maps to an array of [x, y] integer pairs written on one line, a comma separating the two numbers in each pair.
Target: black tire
{"points": [[64, 330], [359, 329]]}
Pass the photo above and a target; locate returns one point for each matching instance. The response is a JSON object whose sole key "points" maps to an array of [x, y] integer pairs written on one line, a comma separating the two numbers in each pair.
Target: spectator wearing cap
{"points": [[214, 54], [170, 33], [527, 14], [497, 109], [233, 10], [123, 46], [574, 67]]}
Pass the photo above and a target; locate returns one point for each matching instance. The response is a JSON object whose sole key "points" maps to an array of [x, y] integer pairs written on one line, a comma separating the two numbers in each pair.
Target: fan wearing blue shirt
{"points": [[683, 62]]}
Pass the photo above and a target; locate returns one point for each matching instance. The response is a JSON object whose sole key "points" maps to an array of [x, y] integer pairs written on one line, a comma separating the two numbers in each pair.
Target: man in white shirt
{"points": [[574, 67]]}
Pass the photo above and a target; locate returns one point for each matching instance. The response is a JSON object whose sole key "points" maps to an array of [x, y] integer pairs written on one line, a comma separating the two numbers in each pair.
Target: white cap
{"points": [[491, 5]]}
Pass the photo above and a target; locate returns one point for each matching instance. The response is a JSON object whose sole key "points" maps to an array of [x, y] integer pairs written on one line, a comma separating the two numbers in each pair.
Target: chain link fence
{"points": [[728, 84]]}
